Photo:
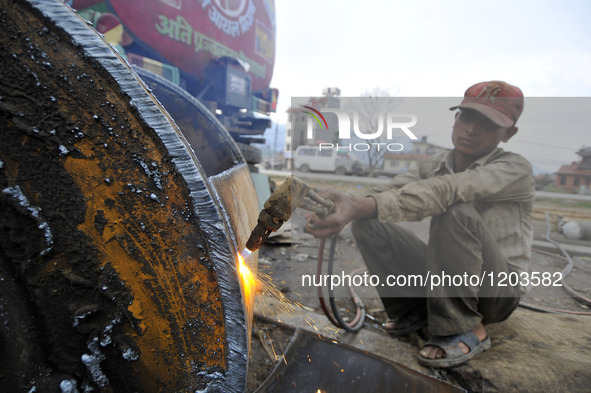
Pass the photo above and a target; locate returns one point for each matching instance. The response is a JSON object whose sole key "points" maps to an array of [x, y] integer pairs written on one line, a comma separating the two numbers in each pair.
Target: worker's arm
{"points": [[347, 209], [507, 179]]}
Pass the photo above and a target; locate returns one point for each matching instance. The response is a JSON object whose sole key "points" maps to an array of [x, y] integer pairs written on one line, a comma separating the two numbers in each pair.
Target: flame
{"points": [[249, 283]]}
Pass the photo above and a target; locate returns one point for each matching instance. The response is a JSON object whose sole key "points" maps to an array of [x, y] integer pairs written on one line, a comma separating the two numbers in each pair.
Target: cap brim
{"points": [[493, 114]]}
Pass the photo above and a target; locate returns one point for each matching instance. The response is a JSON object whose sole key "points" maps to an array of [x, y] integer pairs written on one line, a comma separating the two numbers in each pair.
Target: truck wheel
{"points": [[252, 155], [341, 171], [304, 168]]}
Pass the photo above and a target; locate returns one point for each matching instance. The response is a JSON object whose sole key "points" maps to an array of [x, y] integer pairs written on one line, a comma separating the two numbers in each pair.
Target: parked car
{"points": [[312, 159]]}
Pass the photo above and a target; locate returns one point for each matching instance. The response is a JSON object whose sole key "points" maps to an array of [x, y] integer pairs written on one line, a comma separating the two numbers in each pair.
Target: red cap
{"points": [[499, 101]]}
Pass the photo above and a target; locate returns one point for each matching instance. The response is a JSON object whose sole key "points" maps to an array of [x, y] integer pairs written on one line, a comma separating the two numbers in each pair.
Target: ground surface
{"points": [[532, 351]]}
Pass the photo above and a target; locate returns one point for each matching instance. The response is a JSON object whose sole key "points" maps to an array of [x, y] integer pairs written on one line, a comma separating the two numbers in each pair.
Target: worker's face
{"points": [[475, 135]]}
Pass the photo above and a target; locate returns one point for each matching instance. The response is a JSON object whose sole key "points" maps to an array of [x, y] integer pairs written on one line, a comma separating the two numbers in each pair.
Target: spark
{"points": [[271, 342], [257, 283], [333, 330], [311, 322]]}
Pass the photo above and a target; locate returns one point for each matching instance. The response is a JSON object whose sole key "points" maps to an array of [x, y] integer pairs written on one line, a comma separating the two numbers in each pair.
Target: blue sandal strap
{"points": [[449, 344]]}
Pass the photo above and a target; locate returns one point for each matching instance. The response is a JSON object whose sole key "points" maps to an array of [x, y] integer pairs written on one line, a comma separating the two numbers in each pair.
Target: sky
{"points": [[438, 49]]}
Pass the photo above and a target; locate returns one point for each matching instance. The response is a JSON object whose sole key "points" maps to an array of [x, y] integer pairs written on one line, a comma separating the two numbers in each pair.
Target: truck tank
{"points": [[221, 52]]}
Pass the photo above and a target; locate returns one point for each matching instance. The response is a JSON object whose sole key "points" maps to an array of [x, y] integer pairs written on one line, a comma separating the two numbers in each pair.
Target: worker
{"points": [[479, 199]]}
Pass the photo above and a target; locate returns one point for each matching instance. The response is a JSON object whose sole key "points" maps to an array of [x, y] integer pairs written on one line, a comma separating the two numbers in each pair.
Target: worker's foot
{"points": [[406, 324], [469, 344]]}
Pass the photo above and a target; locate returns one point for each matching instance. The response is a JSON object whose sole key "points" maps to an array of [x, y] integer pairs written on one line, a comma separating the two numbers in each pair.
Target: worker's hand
{"points": [[346, 209]]}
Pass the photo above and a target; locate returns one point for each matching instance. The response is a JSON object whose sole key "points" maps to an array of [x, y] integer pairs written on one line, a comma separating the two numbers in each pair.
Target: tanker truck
{"points": [[221, 52]]}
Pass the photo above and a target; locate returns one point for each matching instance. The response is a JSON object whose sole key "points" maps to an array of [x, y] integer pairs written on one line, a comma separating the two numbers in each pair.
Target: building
{"points": [[400, 162], [296, 133], [576, 177]]}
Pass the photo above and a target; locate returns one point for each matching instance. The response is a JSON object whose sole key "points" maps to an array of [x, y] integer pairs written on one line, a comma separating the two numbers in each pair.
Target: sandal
{"points": [[454, 355], [409, 323]]}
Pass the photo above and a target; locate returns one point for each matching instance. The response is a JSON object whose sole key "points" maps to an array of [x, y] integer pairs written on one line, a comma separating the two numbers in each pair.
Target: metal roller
{"points": [[118, 260]]}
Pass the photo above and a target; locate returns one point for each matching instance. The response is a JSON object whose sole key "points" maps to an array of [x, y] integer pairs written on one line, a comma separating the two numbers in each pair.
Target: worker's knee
{"points": [[362, 228], [461, 214], [373, 231]]}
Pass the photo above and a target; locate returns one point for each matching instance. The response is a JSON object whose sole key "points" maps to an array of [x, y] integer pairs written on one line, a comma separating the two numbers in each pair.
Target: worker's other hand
{"points": [[346, 209]]}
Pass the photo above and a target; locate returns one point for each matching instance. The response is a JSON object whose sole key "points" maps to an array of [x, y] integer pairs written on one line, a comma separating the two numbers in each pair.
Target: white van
{"points": [[310, 158]]}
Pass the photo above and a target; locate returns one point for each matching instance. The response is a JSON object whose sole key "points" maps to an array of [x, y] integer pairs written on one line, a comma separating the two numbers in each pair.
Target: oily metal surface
{"points": [[217, 152], [107, 222], [221, 160], [315, 364], [210, 141]]}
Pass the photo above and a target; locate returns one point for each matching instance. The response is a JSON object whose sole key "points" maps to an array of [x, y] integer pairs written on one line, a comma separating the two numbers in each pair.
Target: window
{"points": [[306, 152], [562, 180], [577, 181], [393, 164]]}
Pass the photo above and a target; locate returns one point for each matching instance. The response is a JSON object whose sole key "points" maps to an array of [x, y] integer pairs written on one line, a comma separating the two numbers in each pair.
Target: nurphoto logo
{"points": [[315, 117], [387, 122]]}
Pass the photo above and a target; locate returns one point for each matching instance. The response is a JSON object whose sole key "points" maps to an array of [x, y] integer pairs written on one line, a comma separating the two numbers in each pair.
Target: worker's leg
{"points": [[389, 249], [461, 245]]}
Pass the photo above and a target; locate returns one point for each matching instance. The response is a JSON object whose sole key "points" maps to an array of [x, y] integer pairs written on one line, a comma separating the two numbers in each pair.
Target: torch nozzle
{"points": [[258, 236]]}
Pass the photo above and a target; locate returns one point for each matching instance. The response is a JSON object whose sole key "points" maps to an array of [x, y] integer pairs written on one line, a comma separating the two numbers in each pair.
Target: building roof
{"points": [[585, 152], [405, 156], [573, 169], [424, 142], [315, 102]]}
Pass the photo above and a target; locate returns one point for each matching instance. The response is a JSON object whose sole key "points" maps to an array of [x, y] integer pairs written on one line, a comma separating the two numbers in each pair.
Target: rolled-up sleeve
{"points": [[397, 182], [506, 178]]}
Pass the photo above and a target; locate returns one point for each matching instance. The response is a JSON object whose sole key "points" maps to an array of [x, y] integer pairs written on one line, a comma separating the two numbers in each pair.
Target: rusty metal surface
{"points": [[108, 220], [315, 364], [238, 196], [216, 151], [224, 166]]}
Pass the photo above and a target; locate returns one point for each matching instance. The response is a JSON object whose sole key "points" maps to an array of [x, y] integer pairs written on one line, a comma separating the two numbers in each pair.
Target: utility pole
{"points": [[274, 146]]}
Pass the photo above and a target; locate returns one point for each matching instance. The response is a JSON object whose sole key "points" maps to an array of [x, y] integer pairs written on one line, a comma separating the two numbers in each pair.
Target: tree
{"points": [[371, 107]]}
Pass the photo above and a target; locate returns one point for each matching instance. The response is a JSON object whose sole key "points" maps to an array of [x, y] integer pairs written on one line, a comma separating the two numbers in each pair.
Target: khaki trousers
{"points": [[459, 244]]}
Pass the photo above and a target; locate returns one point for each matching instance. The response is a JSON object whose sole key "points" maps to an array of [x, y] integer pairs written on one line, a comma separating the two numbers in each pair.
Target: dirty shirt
{"points": [[500, 185]]}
